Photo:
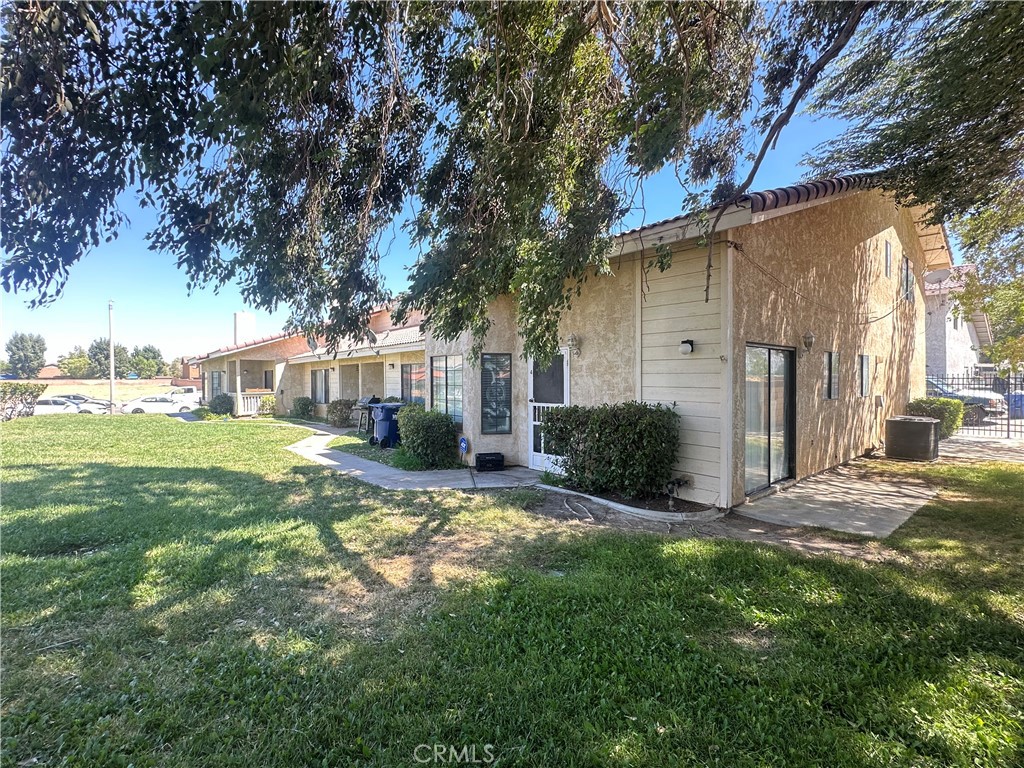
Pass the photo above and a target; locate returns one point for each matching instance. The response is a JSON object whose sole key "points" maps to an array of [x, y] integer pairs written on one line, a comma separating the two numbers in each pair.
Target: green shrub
{"points": [[392, 399], [339, 413], [430, 436], [948, 411], [18, 398], [205, 414], [302, 408], [223, 404], [625, 448], [267, 406]]}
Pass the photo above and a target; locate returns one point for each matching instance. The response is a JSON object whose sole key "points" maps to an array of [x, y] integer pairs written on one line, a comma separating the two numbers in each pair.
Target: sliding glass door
{"points": [[770, 417]]}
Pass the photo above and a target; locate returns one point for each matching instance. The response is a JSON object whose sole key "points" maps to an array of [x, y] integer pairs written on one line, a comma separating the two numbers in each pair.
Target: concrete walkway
{"points": [[843, 499], [982, 448], [315, 449]]}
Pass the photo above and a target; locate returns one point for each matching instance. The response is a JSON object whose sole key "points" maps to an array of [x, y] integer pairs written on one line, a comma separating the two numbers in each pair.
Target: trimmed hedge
{"points": [[268, 406], [223, 404], [302, 408], [625, 448], [948, 411], [339, 413], [430, 436]]}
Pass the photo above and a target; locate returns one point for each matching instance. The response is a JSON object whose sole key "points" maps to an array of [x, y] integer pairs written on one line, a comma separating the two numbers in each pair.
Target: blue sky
{"points": [[152, 305]]}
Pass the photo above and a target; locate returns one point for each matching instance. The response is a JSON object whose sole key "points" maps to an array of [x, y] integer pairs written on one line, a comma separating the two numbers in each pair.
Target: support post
{"points": [[110, 333]]}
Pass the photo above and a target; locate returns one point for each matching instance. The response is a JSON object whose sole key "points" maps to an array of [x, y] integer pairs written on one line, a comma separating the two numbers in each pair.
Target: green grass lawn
{"points": [[191, 594], [358, 445]]}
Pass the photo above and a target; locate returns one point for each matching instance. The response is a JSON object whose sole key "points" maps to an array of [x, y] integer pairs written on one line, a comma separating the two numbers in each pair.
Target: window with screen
{"points": [[865, 375], [319, 388], [268, 379], [216, 383], [414, 383], [831, 376], [495, 393], [446, 386], [907, 287]]}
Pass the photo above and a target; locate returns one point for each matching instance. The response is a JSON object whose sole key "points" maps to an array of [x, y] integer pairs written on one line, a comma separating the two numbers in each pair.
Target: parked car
{"points": [[157, 404], [189, 394], [977, 402], [87, 404], [49, 405]]}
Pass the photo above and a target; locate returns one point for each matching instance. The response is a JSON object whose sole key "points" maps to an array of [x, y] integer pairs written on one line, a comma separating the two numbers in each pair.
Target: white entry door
{"points": [[549, 388]]}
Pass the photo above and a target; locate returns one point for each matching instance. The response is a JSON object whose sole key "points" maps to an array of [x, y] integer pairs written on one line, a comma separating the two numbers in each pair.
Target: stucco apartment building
{"points": [[811, 335], [952, 338]]}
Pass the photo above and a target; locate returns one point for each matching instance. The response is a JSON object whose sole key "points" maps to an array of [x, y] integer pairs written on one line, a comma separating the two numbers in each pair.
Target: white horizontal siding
{"points": [[672, 309]]}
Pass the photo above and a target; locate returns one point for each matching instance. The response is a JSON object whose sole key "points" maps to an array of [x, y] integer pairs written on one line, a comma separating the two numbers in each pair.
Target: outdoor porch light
{"points": [[573, 343], [686, 347], [808, 341]]}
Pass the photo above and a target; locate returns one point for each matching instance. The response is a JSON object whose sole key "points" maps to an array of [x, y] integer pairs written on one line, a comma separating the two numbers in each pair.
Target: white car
{"points": [[188, 394], [47, 405], [157, 404]]}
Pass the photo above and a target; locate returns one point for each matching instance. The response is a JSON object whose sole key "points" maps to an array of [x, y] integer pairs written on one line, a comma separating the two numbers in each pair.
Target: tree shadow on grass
{"points": [[596, 649]]}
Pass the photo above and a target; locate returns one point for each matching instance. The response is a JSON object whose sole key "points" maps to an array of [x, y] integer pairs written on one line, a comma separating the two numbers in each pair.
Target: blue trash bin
{"points": [[385, 428], [1016, 402]]}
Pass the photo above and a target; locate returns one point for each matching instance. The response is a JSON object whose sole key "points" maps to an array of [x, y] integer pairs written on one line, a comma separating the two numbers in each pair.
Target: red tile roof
{"points": [[245, 345]]}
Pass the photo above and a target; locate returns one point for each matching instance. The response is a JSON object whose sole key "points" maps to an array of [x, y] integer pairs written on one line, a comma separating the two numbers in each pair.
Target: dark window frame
{"points": [[216, 383], [325, 375], [271, 385], [407, 381], [864, 365], [831, 374], [888, 259], [485, 418], [449, 397]]}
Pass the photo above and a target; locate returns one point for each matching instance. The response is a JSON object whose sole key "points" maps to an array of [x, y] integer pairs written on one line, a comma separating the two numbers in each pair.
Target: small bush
{"points": [[18, 399], [222, 405], [625, 448], [392, 399], [948, 411], [339, 413], [205, 414], [403, 459], [302, 408], [267, 406], [430, 436]]}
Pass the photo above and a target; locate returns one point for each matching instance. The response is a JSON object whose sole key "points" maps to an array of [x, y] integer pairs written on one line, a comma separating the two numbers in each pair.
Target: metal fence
{"points": [[993, 405]]}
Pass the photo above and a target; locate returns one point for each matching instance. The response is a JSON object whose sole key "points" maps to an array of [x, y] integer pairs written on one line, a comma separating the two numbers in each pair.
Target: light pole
{"points": [[110, 307]]}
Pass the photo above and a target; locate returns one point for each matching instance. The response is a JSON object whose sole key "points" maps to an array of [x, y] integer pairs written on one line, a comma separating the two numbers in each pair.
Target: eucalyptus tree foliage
{"points": [[940, 111], [280, 142], [934, 93]]}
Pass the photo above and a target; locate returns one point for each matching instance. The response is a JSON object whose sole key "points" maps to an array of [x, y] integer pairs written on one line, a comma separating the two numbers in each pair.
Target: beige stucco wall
{"points": [[603, 318], [829, 263], [377, 378]]}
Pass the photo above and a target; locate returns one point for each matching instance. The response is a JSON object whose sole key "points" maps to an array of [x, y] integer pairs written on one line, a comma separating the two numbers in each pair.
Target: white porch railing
{"points": [[247, 404]]}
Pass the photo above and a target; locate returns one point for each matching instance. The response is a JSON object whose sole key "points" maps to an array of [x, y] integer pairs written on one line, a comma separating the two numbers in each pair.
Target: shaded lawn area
{"points": [[184, 595]]}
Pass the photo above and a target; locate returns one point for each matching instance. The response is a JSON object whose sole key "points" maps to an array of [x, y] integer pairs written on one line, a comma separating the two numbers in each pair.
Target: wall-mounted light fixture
{"points": [[573, 343], [686, 347], [391, 366], [808, 342], [245, 371]]}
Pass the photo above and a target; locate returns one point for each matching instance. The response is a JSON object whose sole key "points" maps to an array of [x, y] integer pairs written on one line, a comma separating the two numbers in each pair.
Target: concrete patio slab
{"points": [[982, 448], [315, 449], [843, 499]]}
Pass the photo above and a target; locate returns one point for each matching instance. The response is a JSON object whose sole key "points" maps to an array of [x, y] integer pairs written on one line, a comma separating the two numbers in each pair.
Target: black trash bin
{"points": [[914, 438], [385, 425]]}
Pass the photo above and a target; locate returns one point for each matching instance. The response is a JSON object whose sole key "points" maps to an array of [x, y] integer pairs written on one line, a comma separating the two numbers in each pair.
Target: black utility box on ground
{"points": [[915, 438], [490, 462]]}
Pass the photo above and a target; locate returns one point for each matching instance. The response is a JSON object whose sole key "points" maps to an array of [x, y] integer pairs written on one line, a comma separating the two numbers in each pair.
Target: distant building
{"points": [[952, 340]]}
